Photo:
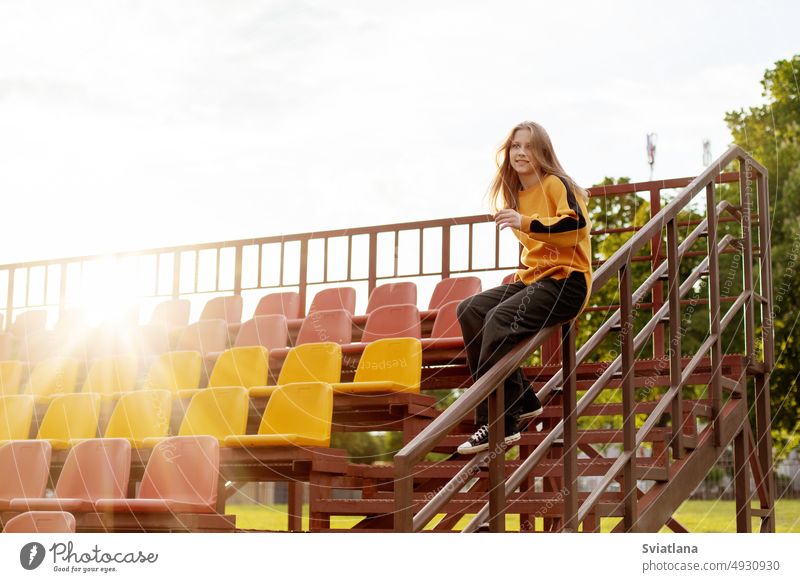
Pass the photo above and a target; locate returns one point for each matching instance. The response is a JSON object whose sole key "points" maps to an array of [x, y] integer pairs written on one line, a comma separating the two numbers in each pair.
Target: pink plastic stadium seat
{"points": [[452, 289], [335, 298], [94, 469], [286, 304], [392, 321], [229, 309], [24, 468], [392, 294], [269, 331], [330, 325], [206, 336], [41, 522], [509, 278], [446, 332], [181, 476]]}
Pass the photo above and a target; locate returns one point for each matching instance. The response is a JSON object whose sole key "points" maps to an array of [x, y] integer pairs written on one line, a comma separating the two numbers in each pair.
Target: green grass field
{"points": [[696, 516]]}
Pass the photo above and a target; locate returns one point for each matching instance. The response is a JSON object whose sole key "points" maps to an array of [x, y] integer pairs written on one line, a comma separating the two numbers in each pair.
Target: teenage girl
{"points": [[546, 211]]}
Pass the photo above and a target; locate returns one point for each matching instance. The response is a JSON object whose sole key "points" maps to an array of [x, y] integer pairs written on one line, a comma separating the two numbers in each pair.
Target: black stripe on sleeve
{"points": [[567, 223]]}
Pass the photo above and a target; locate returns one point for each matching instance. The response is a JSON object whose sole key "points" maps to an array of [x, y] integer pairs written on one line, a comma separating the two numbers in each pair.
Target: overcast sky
{"points": [[134, 124]]}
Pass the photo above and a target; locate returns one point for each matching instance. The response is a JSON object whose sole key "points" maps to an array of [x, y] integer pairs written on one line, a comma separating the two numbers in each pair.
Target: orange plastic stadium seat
{"points": [[10, 377], [392, 294], [317, 362], [387, 365], [331, 325], [94, 469], [269, 331], [297, 414], [453, 289], [181, 475], [172, 313], [16, 414], [41, 522], [206, 336], [392, 321], [25, 467], [228, 309], [334, 298], [285, 303]]}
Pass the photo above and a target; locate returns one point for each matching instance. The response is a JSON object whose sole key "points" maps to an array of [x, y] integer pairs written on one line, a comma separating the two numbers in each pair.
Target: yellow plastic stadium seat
{"points": [[112, 375], [139, 415], [316, 362], [245, 366], [296, 415], [387, 365], [175, 371], [10, 377], [219, 412], [53, 377], [16, 413], [70, 417]]}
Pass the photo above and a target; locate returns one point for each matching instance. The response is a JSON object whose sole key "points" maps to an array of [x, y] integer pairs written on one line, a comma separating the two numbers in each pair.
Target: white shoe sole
{"points": [[533, 414], [467, 450]]}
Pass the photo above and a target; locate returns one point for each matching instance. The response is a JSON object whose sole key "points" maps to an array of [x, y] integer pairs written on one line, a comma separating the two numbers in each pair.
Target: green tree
{"points": [[771, 133]]}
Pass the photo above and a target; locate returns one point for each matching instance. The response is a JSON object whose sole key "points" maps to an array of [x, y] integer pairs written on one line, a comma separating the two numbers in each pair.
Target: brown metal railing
{"points": [[261, 264], [491, 384]]}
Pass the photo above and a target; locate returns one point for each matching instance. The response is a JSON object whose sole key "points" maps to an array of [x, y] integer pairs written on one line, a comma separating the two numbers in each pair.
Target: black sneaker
{"points": [[531, 407], [479, 441]]}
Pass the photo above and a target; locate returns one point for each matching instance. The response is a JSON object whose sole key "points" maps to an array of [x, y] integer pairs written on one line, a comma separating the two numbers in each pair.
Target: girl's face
{"points": [[520, 153]]}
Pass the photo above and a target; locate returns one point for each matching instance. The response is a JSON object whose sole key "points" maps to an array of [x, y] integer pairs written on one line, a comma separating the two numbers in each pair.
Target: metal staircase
{"points": [[643, 470]]}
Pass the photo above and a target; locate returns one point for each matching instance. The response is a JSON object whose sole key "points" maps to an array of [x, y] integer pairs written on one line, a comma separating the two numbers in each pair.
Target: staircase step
{"points": [[588, 436], [648, 468], [551, 506], [701, 408]]}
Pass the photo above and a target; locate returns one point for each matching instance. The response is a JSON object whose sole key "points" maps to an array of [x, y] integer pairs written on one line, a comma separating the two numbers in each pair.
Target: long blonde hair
{"points": [[506, 184]]}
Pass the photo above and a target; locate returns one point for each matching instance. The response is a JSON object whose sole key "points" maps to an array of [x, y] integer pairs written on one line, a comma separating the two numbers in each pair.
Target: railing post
{"points": [[570, 450], [629, 488], [746, 209], [373, 262], [403, 496], [762, 394], [657, 292], [497, 486], [675, 331], [10, 298], [714, 312], [176, 275], [303, 283], [744, 521], [237, 270], [446, 251]]}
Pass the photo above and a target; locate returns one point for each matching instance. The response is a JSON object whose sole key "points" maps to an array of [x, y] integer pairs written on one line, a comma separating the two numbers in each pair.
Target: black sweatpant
{"points": [[495, 320]]}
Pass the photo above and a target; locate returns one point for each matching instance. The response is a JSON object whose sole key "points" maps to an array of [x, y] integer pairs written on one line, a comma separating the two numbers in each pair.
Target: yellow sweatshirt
{"points": [[554, 233]]}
